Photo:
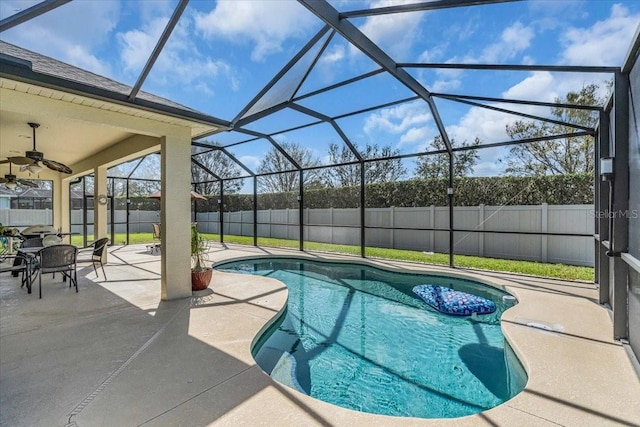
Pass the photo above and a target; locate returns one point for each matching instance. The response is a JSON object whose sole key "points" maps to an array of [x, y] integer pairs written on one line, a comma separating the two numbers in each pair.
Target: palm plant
{"points": [[199, 249]]}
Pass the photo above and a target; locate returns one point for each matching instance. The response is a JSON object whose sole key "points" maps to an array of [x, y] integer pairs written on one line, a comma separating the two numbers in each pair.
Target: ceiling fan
{"points": [[11, 181], [31, 159]]}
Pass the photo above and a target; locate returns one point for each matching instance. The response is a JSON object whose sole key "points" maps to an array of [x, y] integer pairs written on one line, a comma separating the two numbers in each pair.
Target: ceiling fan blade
{"points": [[5, 161], [24, 168], [27, 183], [19, 160], [3, 180], [57, 166]]}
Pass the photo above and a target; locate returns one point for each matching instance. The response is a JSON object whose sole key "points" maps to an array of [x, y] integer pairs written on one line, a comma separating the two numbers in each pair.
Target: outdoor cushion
{"points": [[455, 303]]}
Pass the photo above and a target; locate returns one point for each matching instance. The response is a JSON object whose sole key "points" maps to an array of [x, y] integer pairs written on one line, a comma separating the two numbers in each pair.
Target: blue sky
{"points": [[223, 53]]}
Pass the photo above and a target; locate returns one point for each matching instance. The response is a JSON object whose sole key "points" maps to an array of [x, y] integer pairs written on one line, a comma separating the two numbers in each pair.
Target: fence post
{"points": [[481, 227], [330, 222], [432, 225], [392, 220], [545, 226]]}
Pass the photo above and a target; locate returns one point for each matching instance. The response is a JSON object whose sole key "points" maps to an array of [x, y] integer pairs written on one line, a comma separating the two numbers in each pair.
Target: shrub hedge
{"points": [[493, 191]]}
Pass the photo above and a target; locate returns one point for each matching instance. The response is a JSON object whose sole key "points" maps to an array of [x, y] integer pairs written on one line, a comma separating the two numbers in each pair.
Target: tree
{"points": [[375, 172], [436, 166], [559, 156], [274, 161], [144, 174], [221, 165]]}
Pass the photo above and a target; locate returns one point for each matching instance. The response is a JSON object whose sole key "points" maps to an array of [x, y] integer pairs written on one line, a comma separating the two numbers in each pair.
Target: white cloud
{"points": [[137, 44], [539, 86], [266, 24], [332, 56], [180, 57], [444, 85], [69, 33], [394, 33], [416, 135], [431, 55], [488, 164], [409, 121], [398, 119], [604, 43], [488, 125], [513, 40], [252, 162], [79, 56], [204, 89]]}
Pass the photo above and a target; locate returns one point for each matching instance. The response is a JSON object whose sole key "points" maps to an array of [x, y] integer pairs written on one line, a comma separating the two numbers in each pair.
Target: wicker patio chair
{"points": [[16, 264], [156, 236], [32, 242], [58, 258], [98, 249]]}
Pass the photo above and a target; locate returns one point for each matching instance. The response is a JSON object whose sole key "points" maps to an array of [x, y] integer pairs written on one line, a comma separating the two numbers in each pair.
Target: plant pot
{"points": [[200, 279]]}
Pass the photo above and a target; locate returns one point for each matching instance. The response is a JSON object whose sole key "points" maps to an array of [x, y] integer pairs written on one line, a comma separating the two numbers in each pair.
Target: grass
{"points": [[558, 271]]}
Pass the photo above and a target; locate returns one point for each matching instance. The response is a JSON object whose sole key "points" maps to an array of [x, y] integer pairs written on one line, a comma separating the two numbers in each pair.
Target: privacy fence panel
{"points": [[415, 229], [398, 228]]}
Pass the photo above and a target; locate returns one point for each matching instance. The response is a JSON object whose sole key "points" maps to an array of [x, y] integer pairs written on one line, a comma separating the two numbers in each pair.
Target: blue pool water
{"points": [[357, 337]]}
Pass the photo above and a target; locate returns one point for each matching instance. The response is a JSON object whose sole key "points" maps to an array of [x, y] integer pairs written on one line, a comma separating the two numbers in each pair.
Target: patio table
{"points": [[30, 255]]}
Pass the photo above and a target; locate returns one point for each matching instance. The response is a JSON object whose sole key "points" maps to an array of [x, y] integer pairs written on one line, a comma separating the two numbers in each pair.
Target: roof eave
{"points": [[23, 73]]}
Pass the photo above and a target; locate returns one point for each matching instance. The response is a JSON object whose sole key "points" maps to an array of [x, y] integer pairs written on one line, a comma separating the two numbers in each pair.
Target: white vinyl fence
{"points": [[342, 226]]}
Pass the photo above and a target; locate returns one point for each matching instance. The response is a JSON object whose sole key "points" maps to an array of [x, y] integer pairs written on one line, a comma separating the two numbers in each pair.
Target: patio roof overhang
{"points": [[78, 120]]}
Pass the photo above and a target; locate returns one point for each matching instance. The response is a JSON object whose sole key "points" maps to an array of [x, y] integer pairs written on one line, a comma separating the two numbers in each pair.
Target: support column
{"points": [[175, 215], [544, 228], [255, 211], [100, 218], [100, 214], [620, 205], [57, 202], [450, 196], [300, 211], [62, 213], [601, 208], [481, 218], [363, 217]]}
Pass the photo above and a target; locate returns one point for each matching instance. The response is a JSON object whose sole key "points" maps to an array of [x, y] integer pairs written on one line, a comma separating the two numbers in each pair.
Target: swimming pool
{"points": [[356, 336]]}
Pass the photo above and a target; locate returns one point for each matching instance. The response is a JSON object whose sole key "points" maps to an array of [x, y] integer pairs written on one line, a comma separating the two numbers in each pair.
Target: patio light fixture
{"points": [[606, 168], [34, 168]]}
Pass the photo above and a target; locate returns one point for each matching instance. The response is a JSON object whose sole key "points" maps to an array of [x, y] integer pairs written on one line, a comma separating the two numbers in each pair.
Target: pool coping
{"points": [[550, 342]]}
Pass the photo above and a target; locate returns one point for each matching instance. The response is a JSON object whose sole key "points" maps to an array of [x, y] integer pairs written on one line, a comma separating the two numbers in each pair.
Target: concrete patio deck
{"points": [[115, 355]]}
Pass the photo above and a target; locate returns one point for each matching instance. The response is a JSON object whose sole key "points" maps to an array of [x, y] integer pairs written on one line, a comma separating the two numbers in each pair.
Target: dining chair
{"points": [[17, 263], [51, 239], [98, 249], [23, 259], [156, 236], [32, 242], [58, 258]]}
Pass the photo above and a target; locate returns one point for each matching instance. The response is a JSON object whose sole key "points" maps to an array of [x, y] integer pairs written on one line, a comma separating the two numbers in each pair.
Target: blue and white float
{"points": [[455, 303]]}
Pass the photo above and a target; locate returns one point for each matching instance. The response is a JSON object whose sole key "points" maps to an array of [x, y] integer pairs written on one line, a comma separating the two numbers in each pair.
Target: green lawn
{"points": [[559, 271]]}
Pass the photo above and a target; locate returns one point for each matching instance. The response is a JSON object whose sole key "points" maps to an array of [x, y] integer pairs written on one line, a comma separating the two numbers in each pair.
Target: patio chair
{"points": [[35, 242], [58, 258], [32, 242], [16, 263], [156, 236], [98, 249]]}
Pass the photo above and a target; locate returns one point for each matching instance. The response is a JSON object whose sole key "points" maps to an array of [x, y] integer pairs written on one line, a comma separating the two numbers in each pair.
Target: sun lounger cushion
{"points": [[455, 303]]}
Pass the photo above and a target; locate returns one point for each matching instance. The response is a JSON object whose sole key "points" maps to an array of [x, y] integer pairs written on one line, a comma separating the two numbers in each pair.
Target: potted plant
{"points": [[200, 272]]}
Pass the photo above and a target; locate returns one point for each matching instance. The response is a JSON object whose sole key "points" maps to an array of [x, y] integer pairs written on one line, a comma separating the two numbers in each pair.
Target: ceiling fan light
{"points": [[10, 185], [35, 168]]}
